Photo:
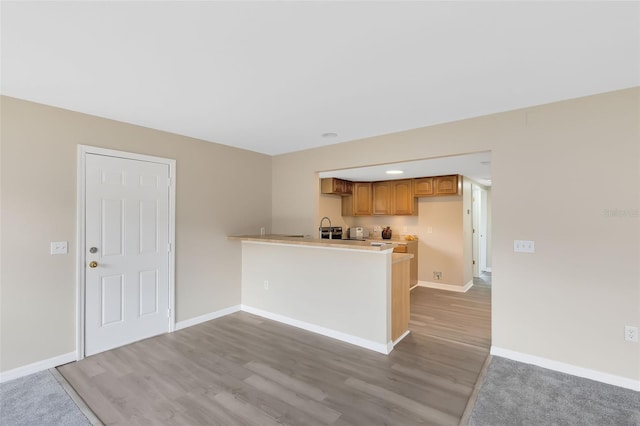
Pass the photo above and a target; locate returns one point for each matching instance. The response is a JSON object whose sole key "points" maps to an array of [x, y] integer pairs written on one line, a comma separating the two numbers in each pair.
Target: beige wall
{"points": [[303, 288], [556, 168], [440, 251], [220, 191]]}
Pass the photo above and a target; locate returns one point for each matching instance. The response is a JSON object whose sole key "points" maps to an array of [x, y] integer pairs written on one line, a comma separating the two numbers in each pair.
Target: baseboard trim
{"points": [[338, 335], [562, 367], [38, 366], [207, 317], [405, 334], [448, 287]]}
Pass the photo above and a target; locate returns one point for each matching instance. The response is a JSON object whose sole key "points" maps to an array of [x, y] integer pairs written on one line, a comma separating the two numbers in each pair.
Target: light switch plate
{"points": [[524, 246], [59, 247]]}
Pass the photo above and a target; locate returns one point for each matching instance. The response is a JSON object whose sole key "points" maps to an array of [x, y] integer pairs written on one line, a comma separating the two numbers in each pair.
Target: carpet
{"points": [[518, 394], [38, 399]]}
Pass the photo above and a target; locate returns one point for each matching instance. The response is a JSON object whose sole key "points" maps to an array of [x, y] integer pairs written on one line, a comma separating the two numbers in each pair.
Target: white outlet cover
{"points": [[59, 247], [630, 333]]}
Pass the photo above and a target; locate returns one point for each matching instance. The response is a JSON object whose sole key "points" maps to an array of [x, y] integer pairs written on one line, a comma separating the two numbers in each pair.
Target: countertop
{"points": [[292, 239]]}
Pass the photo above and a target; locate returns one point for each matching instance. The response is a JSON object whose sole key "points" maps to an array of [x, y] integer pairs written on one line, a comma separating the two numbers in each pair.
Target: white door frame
{"points": [[83, 150]]}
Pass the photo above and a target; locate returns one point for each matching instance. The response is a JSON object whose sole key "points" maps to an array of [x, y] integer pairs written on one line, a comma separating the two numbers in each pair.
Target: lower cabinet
{"points": [[400, 298], [410, 247]]}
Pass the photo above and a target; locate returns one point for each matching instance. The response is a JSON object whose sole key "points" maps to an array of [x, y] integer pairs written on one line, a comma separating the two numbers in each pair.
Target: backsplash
{"points": [[400, 225]]}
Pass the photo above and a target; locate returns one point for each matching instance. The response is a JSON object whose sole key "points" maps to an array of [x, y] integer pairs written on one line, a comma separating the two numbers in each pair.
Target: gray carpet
{"points": [[38, 399], [517, 394]]}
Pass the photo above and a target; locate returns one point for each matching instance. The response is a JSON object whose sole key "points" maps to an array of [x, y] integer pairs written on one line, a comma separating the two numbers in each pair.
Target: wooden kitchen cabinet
{"points": [[400, 298], [382, 197], [403, 201], [446, 185], [423, 187], [335, 186], [394, 197], [359, 203], [436, 185], [410, 247]]}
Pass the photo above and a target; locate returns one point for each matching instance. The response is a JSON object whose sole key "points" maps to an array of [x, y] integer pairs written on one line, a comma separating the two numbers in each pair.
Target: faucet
{"points": [[330, 230]]}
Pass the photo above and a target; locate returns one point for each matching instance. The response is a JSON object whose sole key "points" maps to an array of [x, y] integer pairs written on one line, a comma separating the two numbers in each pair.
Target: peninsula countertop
{"points": [[305, 241]]}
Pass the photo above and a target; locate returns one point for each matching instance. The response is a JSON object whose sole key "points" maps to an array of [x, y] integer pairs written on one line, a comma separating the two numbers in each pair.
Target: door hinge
{"points": [[169, 247], [169, 181], [169, 313]]}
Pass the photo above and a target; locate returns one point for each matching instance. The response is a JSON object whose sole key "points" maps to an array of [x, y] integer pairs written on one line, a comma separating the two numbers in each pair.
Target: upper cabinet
{"points": [[382, 197], [335, 186], [446, 185], [389, 197], [423, 187], [436, 185], [404, 202], [359, 203]]}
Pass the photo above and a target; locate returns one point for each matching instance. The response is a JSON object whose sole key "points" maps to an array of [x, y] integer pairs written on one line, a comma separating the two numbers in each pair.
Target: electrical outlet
{"points": [[266, 284], [437, 275], [262, 231], [630, 333]]}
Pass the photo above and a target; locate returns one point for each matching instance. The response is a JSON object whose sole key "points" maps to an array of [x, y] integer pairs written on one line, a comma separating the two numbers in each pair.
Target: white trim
{"points": [[354, 340], [562, 367], [207, 317], [487, 269], [83, 150], [449, 287], [37, 367], [405, 334]]}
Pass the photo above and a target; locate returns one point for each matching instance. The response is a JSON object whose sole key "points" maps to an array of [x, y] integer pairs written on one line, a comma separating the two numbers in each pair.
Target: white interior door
{"points": [[475, 244], [127, 236]]}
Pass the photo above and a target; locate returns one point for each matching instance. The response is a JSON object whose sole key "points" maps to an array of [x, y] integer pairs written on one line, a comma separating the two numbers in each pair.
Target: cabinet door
{"points": [[446, 185], [423, 187], [358, 203], [382, 197], [403, 201], [362, 198]]}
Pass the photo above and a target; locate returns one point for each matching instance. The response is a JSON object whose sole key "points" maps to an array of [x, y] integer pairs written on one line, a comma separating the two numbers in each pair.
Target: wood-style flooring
{"points": [[242, 369]]}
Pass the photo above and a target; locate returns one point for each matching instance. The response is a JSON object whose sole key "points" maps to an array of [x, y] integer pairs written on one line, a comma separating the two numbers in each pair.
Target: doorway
{"points": [[481, 221], [126, 205]]}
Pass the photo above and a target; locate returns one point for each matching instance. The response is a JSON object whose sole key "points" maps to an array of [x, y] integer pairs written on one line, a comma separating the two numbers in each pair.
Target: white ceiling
{"points": [[475, 166], [273, 76]]}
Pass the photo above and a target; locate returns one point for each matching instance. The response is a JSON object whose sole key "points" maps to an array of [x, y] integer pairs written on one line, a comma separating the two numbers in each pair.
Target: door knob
{"points": [[93, 250], [93, 264]]}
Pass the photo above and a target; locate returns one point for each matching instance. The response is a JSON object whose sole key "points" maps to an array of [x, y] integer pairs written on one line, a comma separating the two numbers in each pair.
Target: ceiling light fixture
{"points": [[329, 135], [394, 172]]}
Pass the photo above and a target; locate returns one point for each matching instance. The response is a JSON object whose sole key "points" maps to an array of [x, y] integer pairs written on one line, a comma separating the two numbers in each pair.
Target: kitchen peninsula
{"points": [[349, 290]]}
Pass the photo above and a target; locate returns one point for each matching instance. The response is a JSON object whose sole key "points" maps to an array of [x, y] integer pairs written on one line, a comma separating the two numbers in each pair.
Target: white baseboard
{"points": [[38, 366], [405, 334], [449, 287], [562, 367], [207, 317], [338, 335]]}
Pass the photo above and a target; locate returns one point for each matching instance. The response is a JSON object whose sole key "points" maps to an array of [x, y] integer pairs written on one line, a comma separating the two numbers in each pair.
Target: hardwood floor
{"points": [[242, 370]]}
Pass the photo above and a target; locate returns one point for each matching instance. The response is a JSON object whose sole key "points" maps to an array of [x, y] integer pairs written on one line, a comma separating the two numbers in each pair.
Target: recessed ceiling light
{"points": [[394, 172], [329, 135]]}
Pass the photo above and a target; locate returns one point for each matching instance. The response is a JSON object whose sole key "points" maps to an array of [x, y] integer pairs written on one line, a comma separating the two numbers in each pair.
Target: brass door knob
{"points": [[93, 264]]}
